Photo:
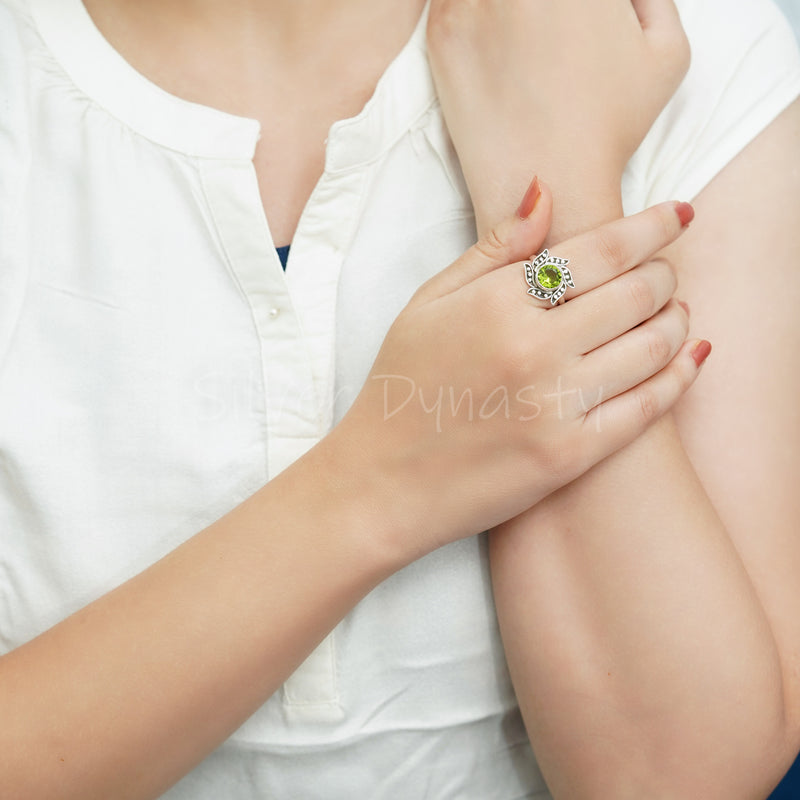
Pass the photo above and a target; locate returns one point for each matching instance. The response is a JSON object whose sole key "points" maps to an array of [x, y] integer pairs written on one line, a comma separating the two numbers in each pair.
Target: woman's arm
{"points": [[653, 636], [124, 697], [567, 90], [127, 695]]}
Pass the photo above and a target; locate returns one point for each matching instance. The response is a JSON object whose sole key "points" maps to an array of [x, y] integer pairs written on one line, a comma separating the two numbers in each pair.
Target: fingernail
{"points": [[685, 213], [685, 307], [532, 196], [700, 352]]}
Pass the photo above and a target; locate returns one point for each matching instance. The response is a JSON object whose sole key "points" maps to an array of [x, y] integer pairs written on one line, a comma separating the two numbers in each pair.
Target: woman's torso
{"points": [[157, 366]]}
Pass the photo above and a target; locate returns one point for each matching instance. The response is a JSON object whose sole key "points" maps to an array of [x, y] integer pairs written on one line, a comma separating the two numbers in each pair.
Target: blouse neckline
{"points": [[101, 73]]}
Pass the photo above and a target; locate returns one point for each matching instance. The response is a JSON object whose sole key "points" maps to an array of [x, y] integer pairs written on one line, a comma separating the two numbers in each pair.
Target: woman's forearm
{"points": [[652, 646], [124, 697], [633, 632], [641, 656]]}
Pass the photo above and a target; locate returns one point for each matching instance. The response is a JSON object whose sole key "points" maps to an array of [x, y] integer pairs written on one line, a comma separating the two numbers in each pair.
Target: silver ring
{"points": [[548, 277]]}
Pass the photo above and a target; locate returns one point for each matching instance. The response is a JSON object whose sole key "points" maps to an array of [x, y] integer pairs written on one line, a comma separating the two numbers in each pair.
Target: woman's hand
{"points": [[483, 400], [567, 88]]}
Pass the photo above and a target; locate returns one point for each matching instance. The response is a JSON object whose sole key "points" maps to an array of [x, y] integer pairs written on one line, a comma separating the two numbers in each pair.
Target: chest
{"points": [[164, 363], [290, 156]]}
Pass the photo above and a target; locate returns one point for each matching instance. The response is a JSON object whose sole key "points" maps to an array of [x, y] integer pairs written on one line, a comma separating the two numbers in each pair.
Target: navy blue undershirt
{"points": [[283, 254]]}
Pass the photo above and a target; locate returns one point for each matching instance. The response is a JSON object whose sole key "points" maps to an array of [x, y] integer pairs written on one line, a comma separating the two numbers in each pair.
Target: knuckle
{"points": [[492, 247], [611, 248], [515, 359], [671, 268], [642, 295], [666, 272], [659, 347], [667, 222], [649, 405]]}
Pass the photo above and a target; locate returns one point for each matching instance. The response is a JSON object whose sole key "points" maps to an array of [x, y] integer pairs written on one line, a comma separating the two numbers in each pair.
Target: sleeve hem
{"points": [[707, 164]]}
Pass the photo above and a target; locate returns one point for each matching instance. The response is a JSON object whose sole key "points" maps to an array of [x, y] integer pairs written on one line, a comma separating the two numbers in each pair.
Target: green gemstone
{"points": [[549, 276]]}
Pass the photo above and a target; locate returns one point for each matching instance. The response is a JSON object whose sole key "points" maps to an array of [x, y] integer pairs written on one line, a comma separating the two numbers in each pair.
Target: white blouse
{"points": [[157, 366]]}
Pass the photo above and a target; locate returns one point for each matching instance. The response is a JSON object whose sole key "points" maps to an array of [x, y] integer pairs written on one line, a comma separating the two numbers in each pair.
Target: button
{"points": [[273, 312]]}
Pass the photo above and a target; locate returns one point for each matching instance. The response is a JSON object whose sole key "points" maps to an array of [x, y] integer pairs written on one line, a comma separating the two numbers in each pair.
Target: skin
{"points": [[650, 610], [211, 631], [278, 62], [208, 633]]}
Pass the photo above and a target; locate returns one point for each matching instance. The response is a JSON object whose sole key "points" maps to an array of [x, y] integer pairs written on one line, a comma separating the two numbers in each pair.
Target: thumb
{"points": [[514, 239], [661, 26], [656, 13]]}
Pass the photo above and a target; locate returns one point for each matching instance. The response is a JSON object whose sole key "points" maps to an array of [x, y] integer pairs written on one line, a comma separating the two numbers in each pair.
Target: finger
{"points": [[619, 305], [633, 357], [612, 249], [512, 240], [662, 30], [623, 418], [657, 14]]}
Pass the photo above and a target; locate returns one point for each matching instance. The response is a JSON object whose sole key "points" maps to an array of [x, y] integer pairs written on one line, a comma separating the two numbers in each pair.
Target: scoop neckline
{"points": [[102, 74]]}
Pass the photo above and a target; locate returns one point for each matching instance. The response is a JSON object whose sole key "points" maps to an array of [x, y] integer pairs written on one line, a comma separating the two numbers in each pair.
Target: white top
{"points": [[157, 366]]}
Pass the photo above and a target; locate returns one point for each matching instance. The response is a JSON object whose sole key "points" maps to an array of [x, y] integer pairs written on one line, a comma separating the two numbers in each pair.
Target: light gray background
{"points": [[792, 10]]}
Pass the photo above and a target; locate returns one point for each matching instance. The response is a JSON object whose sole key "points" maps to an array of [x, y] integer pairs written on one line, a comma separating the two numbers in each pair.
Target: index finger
{"points": [[597, 256]]}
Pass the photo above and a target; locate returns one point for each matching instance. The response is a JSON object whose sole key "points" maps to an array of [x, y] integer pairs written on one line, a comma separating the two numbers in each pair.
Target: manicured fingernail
{"points": [[685, 213], [700, 352], [532, 196], [685, 307]]}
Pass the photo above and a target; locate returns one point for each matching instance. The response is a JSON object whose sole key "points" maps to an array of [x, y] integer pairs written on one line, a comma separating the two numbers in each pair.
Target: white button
{"points": [[273, 312]]}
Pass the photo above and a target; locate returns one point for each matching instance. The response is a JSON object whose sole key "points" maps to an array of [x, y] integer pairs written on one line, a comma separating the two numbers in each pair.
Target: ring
{"points": [[548, 277]]}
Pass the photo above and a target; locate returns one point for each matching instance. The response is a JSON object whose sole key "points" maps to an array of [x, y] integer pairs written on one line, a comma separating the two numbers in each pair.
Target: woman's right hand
{"points": [[483, 400], [571, 88]]}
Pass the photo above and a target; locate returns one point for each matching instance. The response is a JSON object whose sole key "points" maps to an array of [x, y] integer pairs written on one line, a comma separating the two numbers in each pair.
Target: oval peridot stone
{"points": [[549, 276]]}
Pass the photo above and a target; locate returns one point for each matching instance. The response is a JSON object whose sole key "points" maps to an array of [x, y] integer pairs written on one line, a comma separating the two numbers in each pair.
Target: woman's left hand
{"points": [[567, 89]]}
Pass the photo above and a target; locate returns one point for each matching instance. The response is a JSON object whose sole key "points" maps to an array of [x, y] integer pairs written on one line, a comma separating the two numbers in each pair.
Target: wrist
{"points": [[585, 195], [373, 508], [583, 201]]}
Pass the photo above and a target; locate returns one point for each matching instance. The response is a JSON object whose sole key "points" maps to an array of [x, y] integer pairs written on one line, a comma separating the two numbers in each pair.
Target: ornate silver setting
{"points": [[553, 269]]}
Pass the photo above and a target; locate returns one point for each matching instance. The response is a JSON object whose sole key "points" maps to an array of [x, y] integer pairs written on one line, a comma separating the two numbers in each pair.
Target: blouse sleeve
{"points": [[745, 70], [14, 164]]}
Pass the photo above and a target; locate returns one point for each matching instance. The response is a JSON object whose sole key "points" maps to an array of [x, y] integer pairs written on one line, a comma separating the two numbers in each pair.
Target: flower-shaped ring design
{"points": [[548, 277]]}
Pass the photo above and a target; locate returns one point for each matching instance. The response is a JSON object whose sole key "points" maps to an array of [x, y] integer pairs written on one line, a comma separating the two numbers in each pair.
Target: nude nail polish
{"points": [[700, 352], [685, 213], [532, 195]]}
